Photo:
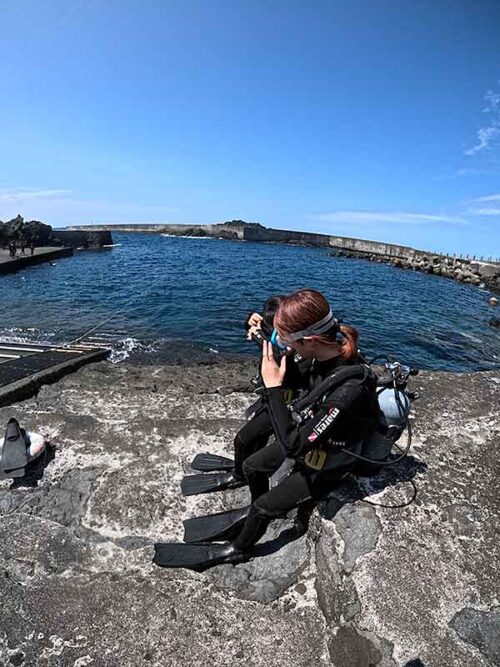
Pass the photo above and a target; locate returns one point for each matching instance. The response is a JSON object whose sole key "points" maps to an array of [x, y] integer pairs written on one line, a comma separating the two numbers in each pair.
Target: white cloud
{"points": [[488, 136], [481, 200], [31, 193], [484, 211], [489, 205], [388, 217]]}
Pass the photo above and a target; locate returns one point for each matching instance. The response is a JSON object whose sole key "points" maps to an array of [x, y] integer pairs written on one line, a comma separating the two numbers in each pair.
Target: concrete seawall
{"points": [[78, 238], [226, 231], [41, 255], [458, 268]]}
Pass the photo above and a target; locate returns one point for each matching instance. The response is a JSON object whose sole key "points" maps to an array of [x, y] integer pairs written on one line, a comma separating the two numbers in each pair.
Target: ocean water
{"points": [[160, 293]]}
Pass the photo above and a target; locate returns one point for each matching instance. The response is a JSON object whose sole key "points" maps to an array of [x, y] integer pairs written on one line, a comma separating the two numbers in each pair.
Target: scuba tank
{"points": [[395, 404]]}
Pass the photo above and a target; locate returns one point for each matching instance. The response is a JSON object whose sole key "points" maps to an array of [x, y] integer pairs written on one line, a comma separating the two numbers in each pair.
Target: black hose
{"points": [[379, 356], [408, 443]]}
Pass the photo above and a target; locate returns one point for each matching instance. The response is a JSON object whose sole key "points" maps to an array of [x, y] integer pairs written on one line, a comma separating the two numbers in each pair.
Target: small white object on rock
{"points": [[493, 301]]}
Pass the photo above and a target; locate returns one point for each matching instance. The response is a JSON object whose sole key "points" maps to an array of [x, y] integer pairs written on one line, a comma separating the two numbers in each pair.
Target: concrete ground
{"points": [[42, 254]]}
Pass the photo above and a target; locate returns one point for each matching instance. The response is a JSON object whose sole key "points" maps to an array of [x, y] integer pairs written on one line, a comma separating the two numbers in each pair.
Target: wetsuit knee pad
{"points": [[247, 469], [262, 508], [238, 441]]}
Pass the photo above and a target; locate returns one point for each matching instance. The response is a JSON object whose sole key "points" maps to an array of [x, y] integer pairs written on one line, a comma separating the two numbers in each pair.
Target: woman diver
{"points": [[316, 435], [256, 432]]}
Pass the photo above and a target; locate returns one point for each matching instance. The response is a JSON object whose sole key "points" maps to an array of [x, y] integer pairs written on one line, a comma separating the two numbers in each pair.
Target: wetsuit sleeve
{"points": [[295, 439]]}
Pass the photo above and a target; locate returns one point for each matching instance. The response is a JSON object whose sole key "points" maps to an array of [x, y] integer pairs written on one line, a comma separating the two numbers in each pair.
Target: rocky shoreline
{"points": [[368, 586], [464, 270]]}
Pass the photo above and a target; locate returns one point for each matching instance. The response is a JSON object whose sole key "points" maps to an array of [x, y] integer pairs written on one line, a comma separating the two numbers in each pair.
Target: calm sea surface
{"points": [[194, 294]]}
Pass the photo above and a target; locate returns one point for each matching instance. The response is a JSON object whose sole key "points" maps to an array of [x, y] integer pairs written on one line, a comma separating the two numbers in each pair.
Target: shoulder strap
{"points": [[358, 371]]}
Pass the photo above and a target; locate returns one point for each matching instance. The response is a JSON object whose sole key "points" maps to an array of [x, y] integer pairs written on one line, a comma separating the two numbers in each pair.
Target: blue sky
{"points": [[370, 118]]}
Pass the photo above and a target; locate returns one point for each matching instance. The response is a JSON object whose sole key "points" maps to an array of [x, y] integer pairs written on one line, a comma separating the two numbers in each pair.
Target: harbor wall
{"points": [[259, 233], [80, 238], [222, 230], [371, 247]]}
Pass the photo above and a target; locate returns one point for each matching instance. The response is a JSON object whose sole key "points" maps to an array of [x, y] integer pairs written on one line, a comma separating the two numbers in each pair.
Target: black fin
{"points": [[13, 454], [195, 556], [212, 527], [207, 462], [191, 485]]}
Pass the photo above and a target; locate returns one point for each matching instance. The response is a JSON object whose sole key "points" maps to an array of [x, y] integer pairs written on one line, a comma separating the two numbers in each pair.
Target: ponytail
{"points": [[350, 343]]}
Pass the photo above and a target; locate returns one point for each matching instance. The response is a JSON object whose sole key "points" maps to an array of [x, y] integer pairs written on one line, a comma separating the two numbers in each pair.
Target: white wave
{"points": [[122, 349], [470, 337], [180, 236], [25, 335]]}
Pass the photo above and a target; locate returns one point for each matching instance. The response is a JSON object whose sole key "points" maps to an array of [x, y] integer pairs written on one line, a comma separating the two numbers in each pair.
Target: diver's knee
{"points": [[262, 507], [247, 469]]}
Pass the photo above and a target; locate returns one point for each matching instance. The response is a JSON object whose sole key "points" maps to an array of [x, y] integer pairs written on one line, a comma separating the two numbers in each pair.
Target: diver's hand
{"points": [[272, 374], [254, 320], [252, 331]]}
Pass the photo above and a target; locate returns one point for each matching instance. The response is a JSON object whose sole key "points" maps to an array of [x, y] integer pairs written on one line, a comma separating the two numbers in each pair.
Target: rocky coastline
{"points": [[466, 271], [415, 586]]}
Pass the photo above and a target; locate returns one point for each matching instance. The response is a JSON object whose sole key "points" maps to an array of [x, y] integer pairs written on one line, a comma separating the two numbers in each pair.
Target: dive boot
{"points": [[191, 485], [207, 462], [196, 556], [215, 527]]}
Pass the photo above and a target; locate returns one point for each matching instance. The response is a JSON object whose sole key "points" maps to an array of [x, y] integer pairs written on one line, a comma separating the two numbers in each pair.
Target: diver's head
{"points": [[268, 313], [305, 322]]}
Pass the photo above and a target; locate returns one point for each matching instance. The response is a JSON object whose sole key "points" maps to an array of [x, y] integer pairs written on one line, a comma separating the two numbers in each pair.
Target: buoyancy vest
{"points": [[333, 455]]}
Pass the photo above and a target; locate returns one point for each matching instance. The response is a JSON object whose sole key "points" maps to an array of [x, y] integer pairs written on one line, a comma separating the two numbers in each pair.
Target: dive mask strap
{"points": [[325, 324]]}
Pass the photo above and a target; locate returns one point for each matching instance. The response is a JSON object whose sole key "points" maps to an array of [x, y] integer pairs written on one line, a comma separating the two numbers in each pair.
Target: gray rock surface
{"points": [[368, 585]]}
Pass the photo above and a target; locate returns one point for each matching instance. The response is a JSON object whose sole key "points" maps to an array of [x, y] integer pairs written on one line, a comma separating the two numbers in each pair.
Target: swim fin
{"points": [[205, 483], [196, 556], [13, 453], [214, 527], [207, 462]]}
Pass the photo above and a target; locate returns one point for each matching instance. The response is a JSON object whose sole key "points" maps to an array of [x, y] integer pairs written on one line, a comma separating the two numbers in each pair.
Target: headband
{"points": [[320, 327]]}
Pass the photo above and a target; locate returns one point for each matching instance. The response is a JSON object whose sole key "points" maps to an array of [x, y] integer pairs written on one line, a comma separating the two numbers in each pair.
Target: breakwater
{"points": [[463, 270], [82, 239], [41, 255], [458, 268]]}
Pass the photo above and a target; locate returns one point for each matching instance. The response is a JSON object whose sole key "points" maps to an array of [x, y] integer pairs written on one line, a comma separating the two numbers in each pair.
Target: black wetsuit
{"points": [[256, 432], [344, 418]]}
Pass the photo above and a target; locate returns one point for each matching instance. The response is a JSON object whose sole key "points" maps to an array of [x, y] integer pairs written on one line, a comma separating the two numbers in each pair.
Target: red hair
{"points": [[304, 308]]}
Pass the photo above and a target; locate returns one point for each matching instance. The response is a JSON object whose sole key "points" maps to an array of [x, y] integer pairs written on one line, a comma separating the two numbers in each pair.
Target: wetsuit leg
{"points": [[300, 489], [250, 439], [258, 467], [289, 494]]}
